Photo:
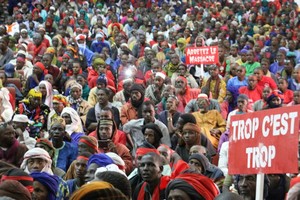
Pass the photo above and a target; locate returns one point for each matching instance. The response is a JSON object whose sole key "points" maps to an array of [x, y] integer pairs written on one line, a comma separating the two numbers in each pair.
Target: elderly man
{"points": [[154, 91], [211, 121], [11, 151], [184, 92], [133, 128], [20, 123], [37, 48]]}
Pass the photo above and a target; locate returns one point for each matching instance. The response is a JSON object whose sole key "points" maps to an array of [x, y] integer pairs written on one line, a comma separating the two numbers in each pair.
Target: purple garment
{"points": [[224, 138]]}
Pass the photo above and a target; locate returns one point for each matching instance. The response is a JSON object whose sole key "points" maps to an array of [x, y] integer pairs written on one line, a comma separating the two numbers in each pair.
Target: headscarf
{"points": [[59, 38], [100, 159], [202, 159], [42, 67], [50, 50], [20, 176], [182, 41], [143, 151], [97, 189], [14, 189], [196, 186], [51, 182], [272, 96], [6, 107], [49, 95], [33, 93], [76, 125], [37, 153], [98, 61], [61, 99], [137, 104], [110, 168], [90, 141], [117, 160]]}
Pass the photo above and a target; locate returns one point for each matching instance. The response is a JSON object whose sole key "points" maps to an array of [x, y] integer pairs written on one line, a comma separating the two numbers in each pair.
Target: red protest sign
{"points": [[202, 55], [264, 142]]}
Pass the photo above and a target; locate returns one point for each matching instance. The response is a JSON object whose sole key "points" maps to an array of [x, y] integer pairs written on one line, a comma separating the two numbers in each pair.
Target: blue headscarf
{"points": [[100, 159], [51, 182]]}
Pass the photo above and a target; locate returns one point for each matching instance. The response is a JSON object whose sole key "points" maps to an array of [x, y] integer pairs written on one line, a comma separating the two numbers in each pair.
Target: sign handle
{"points": [[259, 186]]}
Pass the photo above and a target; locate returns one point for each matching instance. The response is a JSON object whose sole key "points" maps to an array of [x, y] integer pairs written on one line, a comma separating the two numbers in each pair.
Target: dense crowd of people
{"points": [[98, 102]]}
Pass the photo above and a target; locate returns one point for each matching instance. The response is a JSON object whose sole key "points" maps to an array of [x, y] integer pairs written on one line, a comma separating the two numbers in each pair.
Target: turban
{"points": [[203, 96], [110, 168], [69, 47], [61, 99], [76, 125], [42, 67], [37, 153], [142, 151], [157, 132], [76, 85], [51, 182], [34, 94], [98, 189], [98, 61], [14, 189], [191, 127], [202, 159], [100, 159], [50, 50], [273, 95], [20, 176], [90, 141], [137, 87], [196, 186], [117, 160]]}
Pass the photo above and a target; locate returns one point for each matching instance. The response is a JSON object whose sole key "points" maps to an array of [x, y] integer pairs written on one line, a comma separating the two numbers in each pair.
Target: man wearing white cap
{"points": [[154, 90], [20, 123]]}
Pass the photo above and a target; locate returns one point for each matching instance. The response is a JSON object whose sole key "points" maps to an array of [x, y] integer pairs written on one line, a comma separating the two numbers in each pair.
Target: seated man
{"points": [[211, 121], [154, 184], [133, 128], [11, 151]]}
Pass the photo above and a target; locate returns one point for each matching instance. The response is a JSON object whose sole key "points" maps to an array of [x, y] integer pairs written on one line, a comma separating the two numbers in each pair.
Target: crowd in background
{"points": [[98, 102]]}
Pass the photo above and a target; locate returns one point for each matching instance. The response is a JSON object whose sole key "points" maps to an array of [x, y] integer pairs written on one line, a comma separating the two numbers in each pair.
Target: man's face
{"points": [[102, 97], [189, 136], [149, 135], [179, 83], [58, 107], [136, 95], [240, 72], [67, 118], [142, 39], [165, 153], [90, 174], [127, 86], [37, 39], [250, 57], [81, 168], [76, 68], [196, 149], [158, 82], [83, 147], [265, 66], [174, 59], [171, 104], [46, 61], [40, 192], [105, 114], [242, 104], [76, 93], [36, 164], [196, 165], [214, 71], [7, 135], [246, 186], [296, 97], [149, 168], [252, 82], [150, 55], [148, 113], [259, 74], [233, 51], [57, 131], [203, 104], [105, 132]]}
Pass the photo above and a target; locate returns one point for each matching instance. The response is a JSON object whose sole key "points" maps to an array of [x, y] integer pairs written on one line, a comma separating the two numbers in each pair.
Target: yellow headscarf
{"points": [[182, 41], [32, 94]]}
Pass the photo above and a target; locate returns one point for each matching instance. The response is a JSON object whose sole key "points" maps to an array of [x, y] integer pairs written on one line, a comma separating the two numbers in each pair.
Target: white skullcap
{"points": [[160, 74], [20, 118], [110, 168], [117, 160]]}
